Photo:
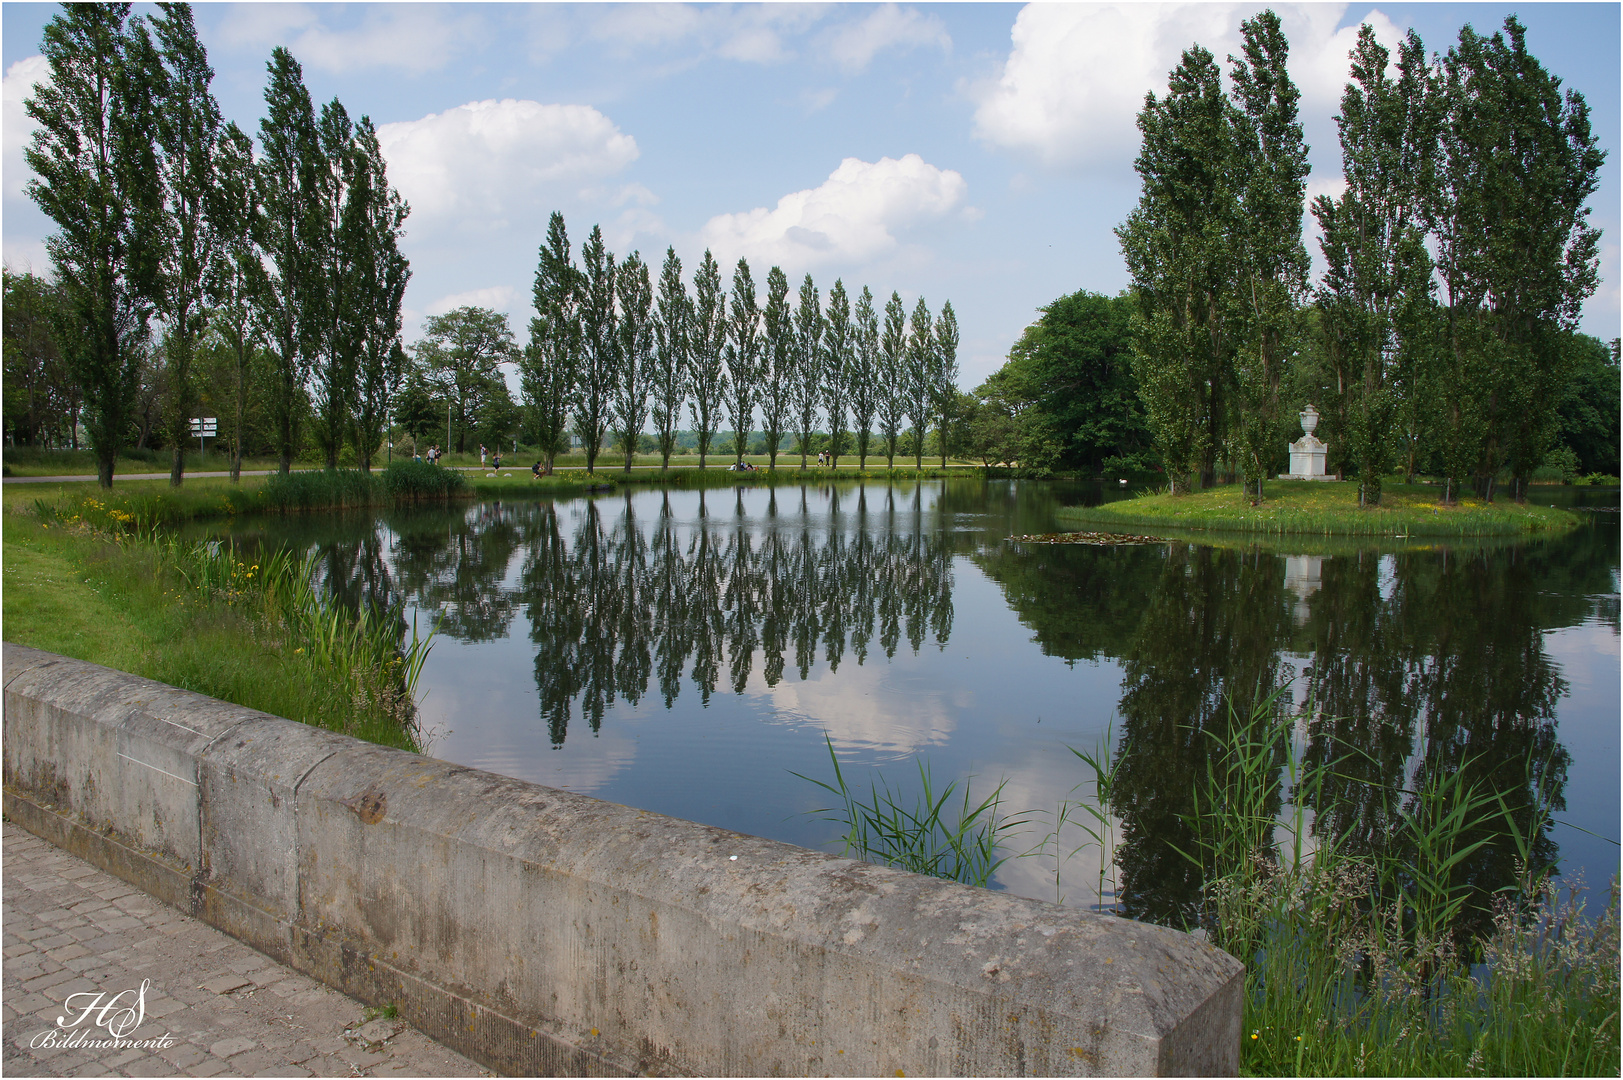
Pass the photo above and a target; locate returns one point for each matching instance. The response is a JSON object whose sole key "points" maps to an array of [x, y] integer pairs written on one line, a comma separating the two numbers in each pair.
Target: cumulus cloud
{"points": [[481, 165], [856, 43], [16, 127], [1076, 76], [860, 213], [411, 37], [496, 298]]}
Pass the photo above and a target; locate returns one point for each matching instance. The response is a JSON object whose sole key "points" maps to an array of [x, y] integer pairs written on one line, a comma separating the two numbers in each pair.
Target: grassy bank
{"points": [[1326, 509], [1357, 963], [193, 616]]}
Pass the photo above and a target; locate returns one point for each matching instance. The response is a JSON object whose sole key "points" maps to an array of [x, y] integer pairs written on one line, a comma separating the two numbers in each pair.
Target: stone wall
{"points": [[543, 932]]}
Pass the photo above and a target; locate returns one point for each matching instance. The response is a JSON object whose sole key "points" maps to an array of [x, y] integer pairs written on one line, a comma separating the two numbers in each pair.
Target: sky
{"points": [[977, 153]]}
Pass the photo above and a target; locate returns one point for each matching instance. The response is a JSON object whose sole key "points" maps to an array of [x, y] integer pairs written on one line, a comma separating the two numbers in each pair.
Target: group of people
{"points": [[431, 455]]}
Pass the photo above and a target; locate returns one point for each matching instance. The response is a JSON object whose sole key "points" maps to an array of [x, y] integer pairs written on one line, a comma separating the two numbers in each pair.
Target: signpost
{"points": [[204, 427]]}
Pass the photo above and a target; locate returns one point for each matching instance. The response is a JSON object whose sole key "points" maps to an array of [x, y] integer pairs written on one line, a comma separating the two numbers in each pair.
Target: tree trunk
{"points": [[177, 467]]}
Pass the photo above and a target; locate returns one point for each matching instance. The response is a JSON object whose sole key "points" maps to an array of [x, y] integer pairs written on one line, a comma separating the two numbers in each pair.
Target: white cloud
{"points": [[496, 298], [483, 165], [16, 127], [856, 43], [857, 215], [412, 37], [1076, 76], [753, 34]]}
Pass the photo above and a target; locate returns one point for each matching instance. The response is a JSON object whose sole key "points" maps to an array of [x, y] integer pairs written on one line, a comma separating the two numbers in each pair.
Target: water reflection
{"points": [[840, 605]]}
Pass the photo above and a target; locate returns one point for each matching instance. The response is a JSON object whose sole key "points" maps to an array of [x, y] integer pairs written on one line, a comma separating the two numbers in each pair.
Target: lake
{"points": [[689, 652]]}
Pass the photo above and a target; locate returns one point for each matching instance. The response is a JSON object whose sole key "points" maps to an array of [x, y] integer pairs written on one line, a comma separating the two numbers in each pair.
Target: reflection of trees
{"points": [[454, 562], [1446, 675], [616, 602], [1422, 663]]}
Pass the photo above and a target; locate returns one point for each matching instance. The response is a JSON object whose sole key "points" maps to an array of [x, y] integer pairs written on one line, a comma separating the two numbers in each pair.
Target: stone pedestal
{"points": [[1307, 453]]}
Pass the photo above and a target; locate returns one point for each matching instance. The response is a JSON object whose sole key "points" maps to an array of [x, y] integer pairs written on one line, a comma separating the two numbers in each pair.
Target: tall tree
{"points": [[743, 356], [944, 379], [599, 347], [333, 357], [891, 395], [41, 399], [636, 329], [287, 184], [373, 222], [862, 374], [839, 342], [918, 372], [238, 277], [188, 127], [1270, 167], [1515, 250], [462, 352], [804, 385], [707, 331], [1377, 298], [547, 368], [96, 176], [1179, 251], [670, 378], [778, 347]]}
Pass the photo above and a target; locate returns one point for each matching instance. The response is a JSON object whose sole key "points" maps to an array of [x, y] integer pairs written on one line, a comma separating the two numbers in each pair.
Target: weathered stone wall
{"points": [[543, 932]]}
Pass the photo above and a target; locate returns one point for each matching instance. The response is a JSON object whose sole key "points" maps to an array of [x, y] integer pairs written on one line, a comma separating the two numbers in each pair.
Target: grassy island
{"points": [[1314, 508]]}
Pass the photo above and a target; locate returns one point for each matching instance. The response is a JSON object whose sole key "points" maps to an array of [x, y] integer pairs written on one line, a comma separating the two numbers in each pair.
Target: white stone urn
{"points": [[1310, 420]]}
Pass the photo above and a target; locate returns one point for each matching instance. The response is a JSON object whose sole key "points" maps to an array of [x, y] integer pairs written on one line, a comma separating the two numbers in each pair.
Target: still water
{"points": [[688, 652]]}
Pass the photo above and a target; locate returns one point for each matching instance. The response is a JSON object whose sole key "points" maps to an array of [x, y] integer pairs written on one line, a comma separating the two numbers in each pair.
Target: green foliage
{"points": [[461, 354], [1067, 398]]}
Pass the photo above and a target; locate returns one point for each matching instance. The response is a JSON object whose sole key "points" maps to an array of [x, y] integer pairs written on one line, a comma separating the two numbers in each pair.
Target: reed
{"points": [[932, 833]]}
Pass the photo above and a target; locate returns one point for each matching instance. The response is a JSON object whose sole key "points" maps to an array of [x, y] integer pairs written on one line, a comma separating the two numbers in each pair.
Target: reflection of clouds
{"points": [[1040, 781], [865, 708]]}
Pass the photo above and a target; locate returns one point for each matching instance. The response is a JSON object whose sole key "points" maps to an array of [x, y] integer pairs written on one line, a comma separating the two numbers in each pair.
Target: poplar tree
{"points": [[804, 388], [944, 381], [707, 330], [670, 377], [333, 356], [188, 130], [1377, 297], [1178, 243], [890, 392], [548, 365], [743, 356], [287, 186], [1515, 250], [862, 373], [840, 339], [373, 222], [238, 275], [778, 349], [918, 373], [599, 348], [96, 176], [1270, 176], [636, 352]]}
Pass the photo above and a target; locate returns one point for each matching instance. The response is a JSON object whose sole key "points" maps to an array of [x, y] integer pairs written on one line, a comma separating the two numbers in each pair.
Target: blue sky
{"points": [[981, 153]]}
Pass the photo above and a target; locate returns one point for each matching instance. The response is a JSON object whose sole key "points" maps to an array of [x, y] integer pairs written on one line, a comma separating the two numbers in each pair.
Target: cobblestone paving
{"points": [[226, 1010]]}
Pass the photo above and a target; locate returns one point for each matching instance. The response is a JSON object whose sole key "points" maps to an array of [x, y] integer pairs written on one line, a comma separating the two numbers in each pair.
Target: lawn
{"points": [[1327, 509]]}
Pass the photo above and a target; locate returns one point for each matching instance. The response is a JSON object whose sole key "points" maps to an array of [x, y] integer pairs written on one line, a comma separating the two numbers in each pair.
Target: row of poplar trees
{"points": [[1459, 255], [168, 220], [609, 354]]}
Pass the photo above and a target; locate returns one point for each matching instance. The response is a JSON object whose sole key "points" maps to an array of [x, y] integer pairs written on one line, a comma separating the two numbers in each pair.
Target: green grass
{"points": [[32, 461], [196, 617], [1305, 507]]}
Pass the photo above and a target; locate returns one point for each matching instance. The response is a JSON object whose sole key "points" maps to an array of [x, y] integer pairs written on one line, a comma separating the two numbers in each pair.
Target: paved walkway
{"points": [[211, 1007]]}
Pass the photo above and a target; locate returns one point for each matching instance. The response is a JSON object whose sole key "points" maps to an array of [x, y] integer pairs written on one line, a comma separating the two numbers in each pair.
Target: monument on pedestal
{"points": [[1307, 453]]}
